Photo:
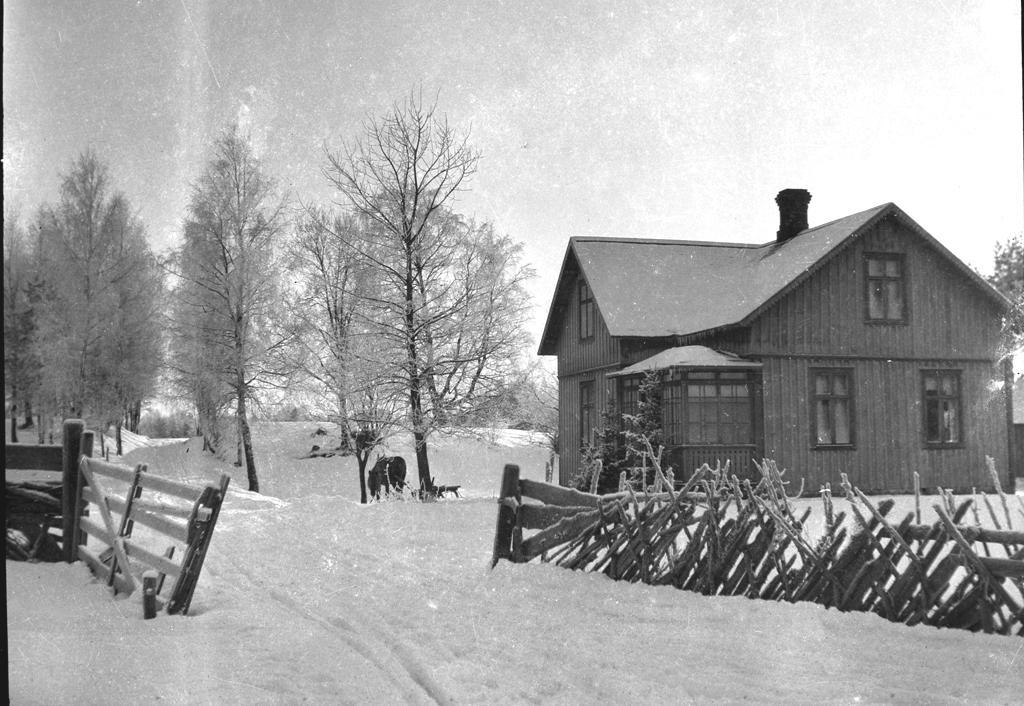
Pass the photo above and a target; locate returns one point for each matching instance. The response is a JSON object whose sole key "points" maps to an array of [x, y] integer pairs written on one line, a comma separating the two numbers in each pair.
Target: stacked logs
{"points": [[718, 536]]}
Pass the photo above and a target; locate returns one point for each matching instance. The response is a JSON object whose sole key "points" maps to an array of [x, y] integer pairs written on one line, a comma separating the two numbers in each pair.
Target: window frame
{"points": [[629, 395], [902, 279], [681, 422], [586, 310], [673, 419], [814, 396], [587, 408], [938, 373]]}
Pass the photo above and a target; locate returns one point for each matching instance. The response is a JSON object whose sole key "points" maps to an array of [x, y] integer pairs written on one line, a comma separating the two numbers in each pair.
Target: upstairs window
{"points": [[886, 288], [833, 409], [943, 424], [586, 312]]}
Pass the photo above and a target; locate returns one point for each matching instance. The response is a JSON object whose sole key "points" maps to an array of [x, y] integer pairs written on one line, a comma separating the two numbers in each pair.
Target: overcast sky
{"points": [[678, 119]]}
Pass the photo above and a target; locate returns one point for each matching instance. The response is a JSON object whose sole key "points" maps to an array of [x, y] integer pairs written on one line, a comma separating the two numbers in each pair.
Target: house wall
{"points": [[1017, 442], [576, 356], [580, 361], [888, 426], [569, 418], [821, 323], [948, 317]]}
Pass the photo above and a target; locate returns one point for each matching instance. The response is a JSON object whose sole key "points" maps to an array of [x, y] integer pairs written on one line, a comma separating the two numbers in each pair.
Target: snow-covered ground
{"points": [[131, 441], [308, 597]]}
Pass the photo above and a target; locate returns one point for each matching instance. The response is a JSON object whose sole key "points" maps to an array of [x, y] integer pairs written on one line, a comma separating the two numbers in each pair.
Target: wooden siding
{"points": [[580, 361], [888, 426], [576, 356], [569, 418], [948, 317], [821, 323], [1018, 453], [684, 460]]}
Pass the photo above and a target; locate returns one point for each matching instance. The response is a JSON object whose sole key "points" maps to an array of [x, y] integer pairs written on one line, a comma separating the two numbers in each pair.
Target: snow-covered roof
{"points": [[662, 288], [687, 357]]}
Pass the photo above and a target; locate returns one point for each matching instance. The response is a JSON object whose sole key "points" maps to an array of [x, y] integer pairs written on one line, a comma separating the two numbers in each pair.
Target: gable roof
{"points": [[642, 287]]}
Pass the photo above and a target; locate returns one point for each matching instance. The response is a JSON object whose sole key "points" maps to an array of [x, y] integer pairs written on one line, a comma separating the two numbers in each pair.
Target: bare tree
{"points": [[474, 333], [227, 285], [340, 359], [402, 172]]}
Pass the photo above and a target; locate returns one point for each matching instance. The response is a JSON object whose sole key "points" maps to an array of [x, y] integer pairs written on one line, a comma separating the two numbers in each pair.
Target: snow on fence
{"points": [[718, 536], [184, 514], [34, 507]]}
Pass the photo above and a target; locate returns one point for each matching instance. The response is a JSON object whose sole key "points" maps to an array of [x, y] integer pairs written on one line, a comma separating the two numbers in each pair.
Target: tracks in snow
{"points": [[369, 636], [371, 647]]}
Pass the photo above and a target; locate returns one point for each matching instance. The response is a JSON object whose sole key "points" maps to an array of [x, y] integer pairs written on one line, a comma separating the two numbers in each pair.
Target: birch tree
{"points": [[20, 364], [339, 356], [228, 284], [95, 334], [451, 299]]}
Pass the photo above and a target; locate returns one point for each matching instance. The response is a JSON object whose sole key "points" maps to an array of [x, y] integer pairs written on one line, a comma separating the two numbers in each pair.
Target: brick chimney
{"points": [[792, 212]]}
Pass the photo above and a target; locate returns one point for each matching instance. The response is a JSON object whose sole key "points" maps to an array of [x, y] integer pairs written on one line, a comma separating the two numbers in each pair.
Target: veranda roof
{"points": [[687, 357]]}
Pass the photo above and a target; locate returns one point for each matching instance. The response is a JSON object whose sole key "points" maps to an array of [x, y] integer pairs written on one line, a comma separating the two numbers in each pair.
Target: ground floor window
{"points": [[630, 396], [943, 423], [832, 417], [586, 412], [708, 407], [672, 418]]}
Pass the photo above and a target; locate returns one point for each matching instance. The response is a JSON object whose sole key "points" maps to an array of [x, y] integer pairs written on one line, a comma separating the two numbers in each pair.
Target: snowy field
{"points": [[308, 597]]}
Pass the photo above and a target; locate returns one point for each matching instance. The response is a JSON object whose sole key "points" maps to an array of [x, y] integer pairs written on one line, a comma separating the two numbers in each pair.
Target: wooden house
{"points": [[861, 346]]}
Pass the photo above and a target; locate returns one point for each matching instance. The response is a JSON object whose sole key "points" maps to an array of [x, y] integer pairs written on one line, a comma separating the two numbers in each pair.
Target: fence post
{"points": [[72, 446], [507, 510], [149, 590], [80, 505]]}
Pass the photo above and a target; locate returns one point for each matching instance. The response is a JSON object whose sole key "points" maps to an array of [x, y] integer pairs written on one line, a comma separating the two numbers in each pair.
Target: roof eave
{"points": [[549, 337], [888, 209], [985, 286], [883, 211]]}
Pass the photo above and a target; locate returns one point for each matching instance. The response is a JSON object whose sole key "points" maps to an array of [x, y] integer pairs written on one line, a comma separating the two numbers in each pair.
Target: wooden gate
{"points": [[182, 513]]}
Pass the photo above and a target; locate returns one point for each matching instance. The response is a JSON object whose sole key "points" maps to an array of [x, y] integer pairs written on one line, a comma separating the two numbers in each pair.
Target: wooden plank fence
{"points": [[719, 536], [182, 513]]}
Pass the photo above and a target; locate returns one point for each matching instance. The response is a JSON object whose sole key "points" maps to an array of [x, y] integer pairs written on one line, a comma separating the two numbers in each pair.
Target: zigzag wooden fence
{"points": [[184, 514], [718, 536]]}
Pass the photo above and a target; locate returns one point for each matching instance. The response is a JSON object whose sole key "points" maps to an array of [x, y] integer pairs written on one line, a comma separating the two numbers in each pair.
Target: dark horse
{"points": [[387, 473]]}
